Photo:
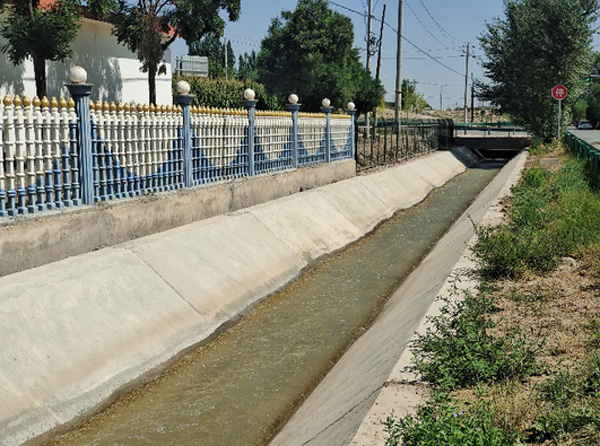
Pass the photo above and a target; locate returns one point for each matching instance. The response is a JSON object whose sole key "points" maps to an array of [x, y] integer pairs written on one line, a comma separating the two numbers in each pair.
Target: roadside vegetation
{"points": [[517, 361]]}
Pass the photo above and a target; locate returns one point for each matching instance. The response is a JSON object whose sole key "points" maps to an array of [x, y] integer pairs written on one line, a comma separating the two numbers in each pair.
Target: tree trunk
{"points": [[39, 69], [152, 70]]}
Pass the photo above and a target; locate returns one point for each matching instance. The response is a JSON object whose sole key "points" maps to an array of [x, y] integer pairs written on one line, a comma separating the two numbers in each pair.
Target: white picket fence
{"points": [[138, 149]]}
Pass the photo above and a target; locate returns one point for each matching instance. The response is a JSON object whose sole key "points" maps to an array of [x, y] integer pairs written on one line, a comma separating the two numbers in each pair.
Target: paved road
{"points": [[591, 136]]}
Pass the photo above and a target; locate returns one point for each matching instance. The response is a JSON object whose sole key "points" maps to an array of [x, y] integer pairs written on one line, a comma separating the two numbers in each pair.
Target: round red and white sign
{"points": [[559, 92]]}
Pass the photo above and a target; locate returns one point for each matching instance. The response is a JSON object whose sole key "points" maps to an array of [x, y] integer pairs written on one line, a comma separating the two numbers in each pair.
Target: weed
{"points": [[443, 422], [464, 347], [558, 424], [552, 216], [539, 294], [593, 329]]}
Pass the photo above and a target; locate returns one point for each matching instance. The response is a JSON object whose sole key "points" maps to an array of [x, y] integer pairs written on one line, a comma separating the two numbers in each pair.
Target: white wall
{"points": [[112, 68]]}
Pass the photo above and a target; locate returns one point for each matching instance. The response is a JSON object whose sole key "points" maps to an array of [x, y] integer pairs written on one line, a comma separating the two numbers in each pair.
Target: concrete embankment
{"points": [[79, 332], [30, 241], [365, 386]]}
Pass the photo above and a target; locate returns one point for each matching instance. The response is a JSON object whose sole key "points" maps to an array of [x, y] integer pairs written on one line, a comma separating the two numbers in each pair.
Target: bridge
{"points": [[499, 140]]}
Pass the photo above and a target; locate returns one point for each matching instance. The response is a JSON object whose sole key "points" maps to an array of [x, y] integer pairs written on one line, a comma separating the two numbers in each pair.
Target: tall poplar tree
{"points": [[212, 47], [539, 44], [309, 51]]}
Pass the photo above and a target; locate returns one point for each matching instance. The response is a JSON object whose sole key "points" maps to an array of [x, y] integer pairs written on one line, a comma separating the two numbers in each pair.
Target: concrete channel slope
{"points": [[81, 331], [340, 405]]}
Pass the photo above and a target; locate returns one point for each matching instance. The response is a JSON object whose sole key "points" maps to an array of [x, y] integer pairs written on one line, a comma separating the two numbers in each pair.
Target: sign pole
{"points": [[559, 118], [559, 93]]}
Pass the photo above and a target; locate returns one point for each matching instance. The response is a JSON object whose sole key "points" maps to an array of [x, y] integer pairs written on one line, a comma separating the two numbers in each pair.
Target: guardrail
{"points": [[488, 129], [583, 150], [384, 144]]}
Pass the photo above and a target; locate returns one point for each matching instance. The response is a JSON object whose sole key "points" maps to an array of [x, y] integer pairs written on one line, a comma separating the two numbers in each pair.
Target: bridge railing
{"points": [[583, 150], [497, 129], [385, 143], [57, 154]]}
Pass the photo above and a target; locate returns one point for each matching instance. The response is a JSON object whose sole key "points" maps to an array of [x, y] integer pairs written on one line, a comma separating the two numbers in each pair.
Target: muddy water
{"points": [[240, 388]]}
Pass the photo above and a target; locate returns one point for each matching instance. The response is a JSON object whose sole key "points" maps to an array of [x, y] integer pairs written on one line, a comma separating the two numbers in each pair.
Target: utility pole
{"points": [[399, 66], [369, 33], [369, 50], [378, 71], [226, 67], [472, 98], [466, 107]]}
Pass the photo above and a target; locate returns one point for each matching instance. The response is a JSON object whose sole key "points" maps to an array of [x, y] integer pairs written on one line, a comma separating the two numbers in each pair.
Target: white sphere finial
{"points": [[326, 103], [77, 74], [351, 106], [183, 87], [249, 94], [293, 99]]}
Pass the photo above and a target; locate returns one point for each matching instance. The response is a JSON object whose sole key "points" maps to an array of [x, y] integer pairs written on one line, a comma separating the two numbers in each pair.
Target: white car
{"points": [[584, 125]]}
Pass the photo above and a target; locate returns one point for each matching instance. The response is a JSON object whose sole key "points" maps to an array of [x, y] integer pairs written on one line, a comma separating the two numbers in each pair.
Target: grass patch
{"points": [[553, 215], [464, 346]]}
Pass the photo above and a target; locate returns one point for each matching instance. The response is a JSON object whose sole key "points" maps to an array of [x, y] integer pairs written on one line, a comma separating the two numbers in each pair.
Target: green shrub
{"points": [[441, 422], [222, 93], [463, 346]]}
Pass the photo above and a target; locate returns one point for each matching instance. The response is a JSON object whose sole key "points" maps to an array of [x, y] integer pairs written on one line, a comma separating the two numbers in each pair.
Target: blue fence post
{"points": [[184, 99], [351, 110], [80, 92], [294, 107], [250, 105], [326, 108]]}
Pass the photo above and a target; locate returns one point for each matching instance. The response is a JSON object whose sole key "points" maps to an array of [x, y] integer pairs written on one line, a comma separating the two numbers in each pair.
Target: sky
{"points": [[442, 28]]}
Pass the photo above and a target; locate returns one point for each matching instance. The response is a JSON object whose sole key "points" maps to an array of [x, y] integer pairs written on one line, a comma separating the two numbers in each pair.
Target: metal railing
{"points": [[584, 150], [384, 144], [505, 129]]}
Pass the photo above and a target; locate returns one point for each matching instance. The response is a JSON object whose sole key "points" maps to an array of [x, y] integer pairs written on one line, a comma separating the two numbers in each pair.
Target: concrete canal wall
{"points": [[79, 332], [30, 241]]}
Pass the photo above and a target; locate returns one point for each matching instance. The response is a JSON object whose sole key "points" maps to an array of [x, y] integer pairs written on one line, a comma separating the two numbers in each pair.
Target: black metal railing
{"points": [[384, 143]]}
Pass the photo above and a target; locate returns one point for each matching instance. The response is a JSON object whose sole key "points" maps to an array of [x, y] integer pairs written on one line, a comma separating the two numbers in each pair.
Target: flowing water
{"points": [[239, 388]]}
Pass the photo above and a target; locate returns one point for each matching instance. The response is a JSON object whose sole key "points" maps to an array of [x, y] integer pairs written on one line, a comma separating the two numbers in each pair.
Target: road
{"points": [[590, 136]]}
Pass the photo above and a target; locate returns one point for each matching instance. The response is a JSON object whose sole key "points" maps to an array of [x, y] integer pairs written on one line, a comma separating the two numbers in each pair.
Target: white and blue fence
{"points": [[57, 154]]}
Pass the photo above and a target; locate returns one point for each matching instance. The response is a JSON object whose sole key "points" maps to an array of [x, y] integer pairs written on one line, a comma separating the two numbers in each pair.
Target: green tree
{"points": [[591, 99], [411, 100], [212, 47], [148, 27], [540, 43], [309, 52], [41, 31], [247, 68]]}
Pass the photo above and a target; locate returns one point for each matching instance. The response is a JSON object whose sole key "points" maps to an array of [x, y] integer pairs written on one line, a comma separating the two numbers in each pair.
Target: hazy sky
{"points": [[440, 27]]}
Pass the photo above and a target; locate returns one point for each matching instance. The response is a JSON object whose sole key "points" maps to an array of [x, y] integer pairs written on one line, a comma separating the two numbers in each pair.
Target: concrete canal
{"points": [[241, 387]]}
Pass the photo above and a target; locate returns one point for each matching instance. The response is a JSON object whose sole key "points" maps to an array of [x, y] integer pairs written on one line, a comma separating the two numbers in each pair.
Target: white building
{"points": [[112, 68]]}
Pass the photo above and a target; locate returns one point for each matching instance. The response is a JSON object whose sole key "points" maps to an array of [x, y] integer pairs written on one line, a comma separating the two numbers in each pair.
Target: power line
{"points": [[424, 58], [422, 24], [403, 37], [423, 51], [441, 28]]}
